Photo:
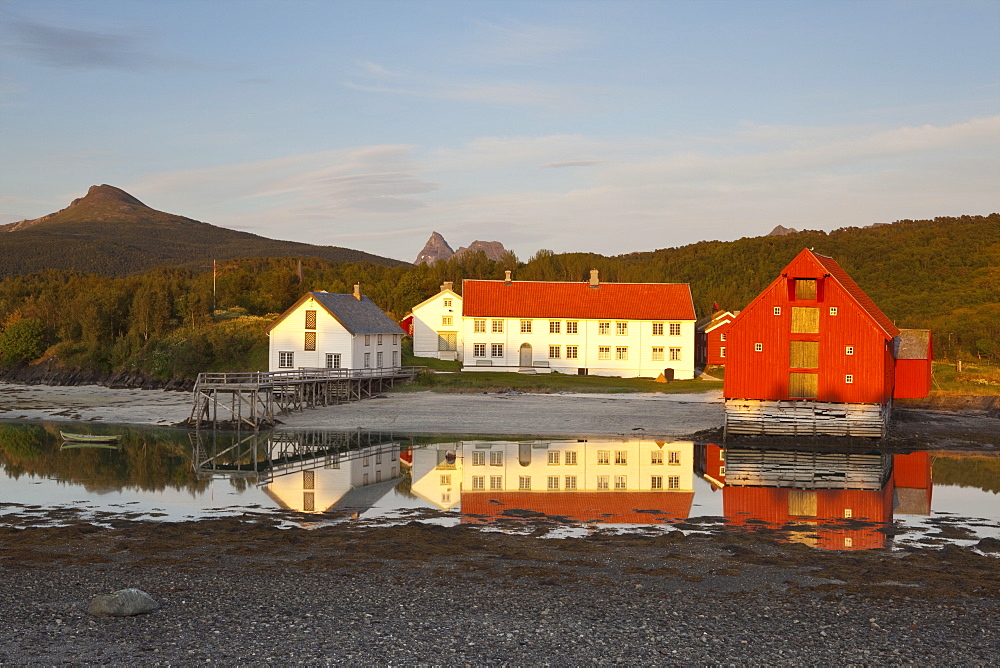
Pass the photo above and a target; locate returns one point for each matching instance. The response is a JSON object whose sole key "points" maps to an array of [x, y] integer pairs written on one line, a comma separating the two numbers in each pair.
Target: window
{"points": [[333, 360], [604, 352], [554, 352], [368, 360], [621, 353], [446, 320], [395, 339], [379, 339], [368, 339], [378, 359], [602, 482], [675, 329], [570, 482], [447, 303], [722, 337], [722, 470], [572, 352], [849, 350], [555, 327], [621, 328], [478, 458], [656, 482], [378, 456], [777, 310], [722, 351], [395, 358], [805, 320], [621, 456], [569, 458], [833, 310], [310, 319], [849, 378], [657, 353], [498, 326], [496, 350], [656, 457], [603, 456], [310, 343], [657, 329], [673, 482], [478, 482], [496, 482], [496, 458], [526, 327], [572, 327], [479, 350], [364, 479], [758, 347], [286, 360], [446, 479], [848, 513], [674, 457], [446, 497], [524, 482], [848, 541], [604, 328], [553, 482], [620, 482], [805, 288], [675, 354], [553, 456], [365, 459], [479, 326]]}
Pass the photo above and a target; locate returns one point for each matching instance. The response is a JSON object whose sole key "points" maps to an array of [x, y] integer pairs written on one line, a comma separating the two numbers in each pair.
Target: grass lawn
{"points": [[977, 378]]}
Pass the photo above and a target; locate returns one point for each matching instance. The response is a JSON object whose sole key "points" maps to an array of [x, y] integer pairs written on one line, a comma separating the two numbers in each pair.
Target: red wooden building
{"points": [[712, 337], [813, 354]]}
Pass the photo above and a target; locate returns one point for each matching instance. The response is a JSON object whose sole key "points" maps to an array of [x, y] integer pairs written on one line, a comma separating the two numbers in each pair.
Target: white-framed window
{"points": [[656, 457], [656, 482], [604, 328], [479, 350], [673, 482], [368, 339], [722, 351], [496, 458], [848, 541], [849, 350], [395, 339], [674, 457], [497, 326], [621, 353], [604, 352], [478, 482], [555, 327], [378, 338], [621, 457], [569, 458], [621, 328], [621, 482], [368, 360], [478, 458], [286, 359], [833, 310], [758, 347], [722, 470], [496, 350], [675, 354], [395, 358], [554, 352], [446, 479], [603, 456], [572, 352], [657, 329], [722, 337], [849, 378], [553, 456], [447, 320], [526, 327], [479, 326], [310, 319], [496, 482], [524, 482], [657, 353], [777, 310], [447, 303], [572, 327], [378, 359], [445, 497], [365, 458], [553, 482], [675, 329], [602, 481], [569, 482], [333, 360], [848, 513]]}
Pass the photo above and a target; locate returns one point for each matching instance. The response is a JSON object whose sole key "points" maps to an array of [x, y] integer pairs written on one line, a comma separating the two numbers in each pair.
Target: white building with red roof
{"points": [[586, 328]]}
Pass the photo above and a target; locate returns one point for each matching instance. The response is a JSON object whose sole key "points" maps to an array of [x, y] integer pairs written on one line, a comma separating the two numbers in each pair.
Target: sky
{"points": [[606, 127]]}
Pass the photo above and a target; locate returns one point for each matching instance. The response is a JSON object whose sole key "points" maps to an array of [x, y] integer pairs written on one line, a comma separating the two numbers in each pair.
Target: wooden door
{"points": [[803, 354], [803, 385], [525, 354]]}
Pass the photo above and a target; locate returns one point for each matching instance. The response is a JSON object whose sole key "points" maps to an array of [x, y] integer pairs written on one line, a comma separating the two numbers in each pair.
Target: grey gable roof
{"points": [[358, 316]]}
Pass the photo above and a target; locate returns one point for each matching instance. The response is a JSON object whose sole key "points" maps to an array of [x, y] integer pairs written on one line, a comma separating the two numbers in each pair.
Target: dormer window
{"points": [[805, 288]]}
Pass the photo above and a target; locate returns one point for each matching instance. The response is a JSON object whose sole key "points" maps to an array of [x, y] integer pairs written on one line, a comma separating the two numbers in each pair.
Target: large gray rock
{"points": [[123, 603]]}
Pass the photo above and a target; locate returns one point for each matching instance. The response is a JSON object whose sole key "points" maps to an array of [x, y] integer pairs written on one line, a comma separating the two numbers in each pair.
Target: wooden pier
{"points": [[254, 399]]}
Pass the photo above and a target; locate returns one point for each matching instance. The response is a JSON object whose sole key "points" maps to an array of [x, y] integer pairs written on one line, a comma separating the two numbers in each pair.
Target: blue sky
{"points": [[575, 126]]}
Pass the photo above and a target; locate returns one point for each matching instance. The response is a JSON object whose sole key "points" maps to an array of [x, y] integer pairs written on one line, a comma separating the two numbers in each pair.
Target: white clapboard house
{"points": [[437, 325], [325, 330]]}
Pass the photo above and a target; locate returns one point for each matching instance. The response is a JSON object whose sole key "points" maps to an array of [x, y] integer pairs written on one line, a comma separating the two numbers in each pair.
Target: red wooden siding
{"points": [[604, 507], [715, 344]]}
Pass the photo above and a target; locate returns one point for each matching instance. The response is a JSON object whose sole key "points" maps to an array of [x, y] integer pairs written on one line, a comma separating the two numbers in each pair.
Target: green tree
{"points": [[22, 340]]}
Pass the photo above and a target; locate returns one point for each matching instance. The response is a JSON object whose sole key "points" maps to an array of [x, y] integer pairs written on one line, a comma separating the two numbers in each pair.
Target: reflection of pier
{"points": [[255, 398]]}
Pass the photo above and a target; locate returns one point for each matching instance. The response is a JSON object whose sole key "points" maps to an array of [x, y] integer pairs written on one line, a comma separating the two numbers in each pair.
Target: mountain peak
{"points": [[435, 249], [106, 194], [782, 231], [102, 203]]}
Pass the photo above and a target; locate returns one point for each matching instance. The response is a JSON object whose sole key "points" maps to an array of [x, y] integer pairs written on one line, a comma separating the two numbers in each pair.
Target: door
{"points": [[525, 354]]}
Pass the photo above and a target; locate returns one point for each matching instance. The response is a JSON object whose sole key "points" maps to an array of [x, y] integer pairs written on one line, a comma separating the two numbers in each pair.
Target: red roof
{"points": [[541, 299], [852, 288], [616, 507]]}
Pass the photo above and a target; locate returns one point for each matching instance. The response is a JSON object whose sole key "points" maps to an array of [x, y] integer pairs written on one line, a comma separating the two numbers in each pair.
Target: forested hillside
{"points": [[942, 273]]}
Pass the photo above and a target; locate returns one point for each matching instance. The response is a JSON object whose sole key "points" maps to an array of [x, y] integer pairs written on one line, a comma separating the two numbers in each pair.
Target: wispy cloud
{"points": [[499, 93], [525, 43], [571, 163], [58, 46]]}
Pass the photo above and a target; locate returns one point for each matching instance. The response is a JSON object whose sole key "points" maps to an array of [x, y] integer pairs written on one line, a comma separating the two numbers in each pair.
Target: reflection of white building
{"points": [[436, 474], [354, 478], [437, 325]]}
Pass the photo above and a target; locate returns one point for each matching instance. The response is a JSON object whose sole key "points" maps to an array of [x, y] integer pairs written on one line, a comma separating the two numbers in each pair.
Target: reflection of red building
{"points": [[602, 507], [912, 475]]}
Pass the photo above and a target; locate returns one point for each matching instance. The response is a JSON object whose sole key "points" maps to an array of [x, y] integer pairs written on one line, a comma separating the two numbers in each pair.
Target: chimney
{"points": [[506, 277], [594, 282], [447, 285], [357, 291]]}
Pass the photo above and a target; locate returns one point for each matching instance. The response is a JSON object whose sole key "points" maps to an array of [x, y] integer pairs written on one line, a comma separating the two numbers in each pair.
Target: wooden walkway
{"points": [[254, 399]]}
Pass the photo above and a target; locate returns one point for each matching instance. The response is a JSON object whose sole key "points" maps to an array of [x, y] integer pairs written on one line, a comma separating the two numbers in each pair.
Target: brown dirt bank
{"points": [[236, 592], [50, 372]]}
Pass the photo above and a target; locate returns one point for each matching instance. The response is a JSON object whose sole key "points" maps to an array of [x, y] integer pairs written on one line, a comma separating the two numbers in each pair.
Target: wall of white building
{"points": [[431, 325]]}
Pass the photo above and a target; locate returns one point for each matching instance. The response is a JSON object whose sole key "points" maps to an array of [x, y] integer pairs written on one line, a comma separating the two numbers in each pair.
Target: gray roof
{"points": [[914, 344], [358, 316]]}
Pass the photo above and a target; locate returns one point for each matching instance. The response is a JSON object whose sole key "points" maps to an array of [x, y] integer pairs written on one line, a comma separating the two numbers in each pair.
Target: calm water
{"points": [[856, 499]]}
